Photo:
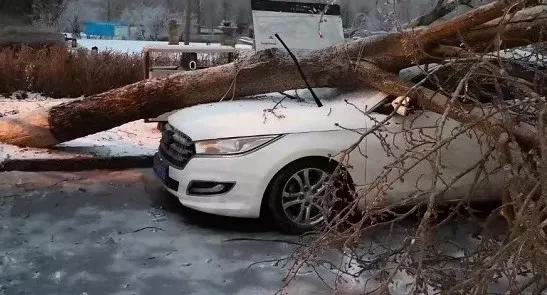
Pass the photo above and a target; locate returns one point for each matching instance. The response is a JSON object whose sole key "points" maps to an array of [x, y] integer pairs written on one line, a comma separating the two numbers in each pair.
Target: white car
{"points": [[261, 156]]}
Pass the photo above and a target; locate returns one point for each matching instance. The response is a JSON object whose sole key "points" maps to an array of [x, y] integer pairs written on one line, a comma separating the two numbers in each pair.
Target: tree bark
{"points": [[524, 27], [269, 71], [266, 71], [442, 8]]}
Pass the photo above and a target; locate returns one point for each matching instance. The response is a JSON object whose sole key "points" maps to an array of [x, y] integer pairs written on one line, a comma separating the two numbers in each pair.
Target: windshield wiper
{"points": [[315, 98]]}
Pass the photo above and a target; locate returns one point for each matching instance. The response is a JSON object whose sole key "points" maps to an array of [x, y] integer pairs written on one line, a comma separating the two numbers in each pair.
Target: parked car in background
{"points": [[164, 60]]}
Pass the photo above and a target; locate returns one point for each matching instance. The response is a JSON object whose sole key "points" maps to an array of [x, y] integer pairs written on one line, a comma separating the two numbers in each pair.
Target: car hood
{"points": [[277, 114]]}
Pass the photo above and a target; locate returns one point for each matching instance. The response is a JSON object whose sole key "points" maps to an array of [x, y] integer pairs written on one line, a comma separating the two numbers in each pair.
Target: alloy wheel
{"points": [[303, 196]]}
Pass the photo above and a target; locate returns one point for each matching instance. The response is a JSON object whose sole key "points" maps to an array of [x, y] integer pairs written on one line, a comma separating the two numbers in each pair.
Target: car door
{"points": [[397, 164]]}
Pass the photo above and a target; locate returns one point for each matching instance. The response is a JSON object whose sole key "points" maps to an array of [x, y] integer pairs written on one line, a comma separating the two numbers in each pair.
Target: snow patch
{"points": [[132, 139]]}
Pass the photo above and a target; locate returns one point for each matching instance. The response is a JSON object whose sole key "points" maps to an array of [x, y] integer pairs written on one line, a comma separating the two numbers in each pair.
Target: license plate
{"points": [[161, 168]]}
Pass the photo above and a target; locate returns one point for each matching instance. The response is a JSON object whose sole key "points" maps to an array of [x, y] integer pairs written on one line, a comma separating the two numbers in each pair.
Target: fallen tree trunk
{"points": [[266, 71]]}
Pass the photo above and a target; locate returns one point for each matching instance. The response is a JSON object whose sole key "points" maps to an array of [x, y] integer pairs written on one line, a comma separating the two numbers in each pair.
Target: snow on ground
{"points": [[134, 46], [136, 138], [132, 139], [20, 102]]}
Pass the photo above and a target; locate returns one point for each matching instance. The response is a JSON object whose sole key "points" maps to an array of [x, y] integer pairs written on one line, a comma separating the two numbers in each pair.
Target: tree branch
{"points": [[427, 99]]}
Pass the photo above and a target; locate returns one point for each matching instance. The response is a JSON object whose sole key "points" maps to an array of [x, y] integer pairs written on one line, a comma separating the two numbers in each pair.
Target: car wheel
{"points": [[295, 198]]}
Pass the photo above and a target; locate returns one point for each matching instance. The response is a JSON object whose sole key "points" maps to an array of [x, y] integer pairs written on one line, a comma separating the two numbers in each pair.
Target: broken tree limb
{"points": [[264, 72], [398, 50], [524, 27], [29, 129], [427, 99], [442, 8], [463, 22]]}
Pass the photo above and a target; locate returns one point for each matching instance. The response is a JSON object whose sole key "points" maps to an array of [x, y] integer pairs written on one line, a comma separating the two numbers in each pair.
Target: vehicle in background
{"points": [[302, 26], [246, 41], [164, 60], [17, 27]]}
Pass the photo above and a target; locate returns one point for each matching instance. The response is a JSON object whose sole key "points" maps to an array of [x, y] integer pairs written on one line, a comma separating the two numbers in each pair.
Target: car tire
{"points": [[284, 184]]}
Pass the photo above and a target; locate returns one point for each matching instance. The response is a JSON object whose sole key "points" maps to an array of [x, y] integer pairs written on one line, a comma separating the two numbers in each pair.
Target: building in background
{"points": [[108, 30]]}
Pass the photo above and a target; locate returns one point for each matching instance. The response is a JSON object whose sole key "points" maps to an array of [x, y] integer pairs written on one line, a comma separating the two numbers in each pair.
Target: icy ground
{"points": [[132, 139], [118, 232]]}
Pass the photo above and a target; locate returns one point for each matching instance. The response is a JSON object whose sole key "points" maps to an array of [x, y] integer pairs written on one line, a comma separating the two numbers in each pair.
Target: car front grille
{"points": [[176, 147]]}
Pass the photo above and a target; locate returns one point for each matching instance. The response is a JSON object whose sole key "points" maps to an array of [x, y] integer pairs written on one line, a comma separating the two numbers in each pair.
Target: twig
{"points": [[288, 95], [264, 240], [148, 227]]}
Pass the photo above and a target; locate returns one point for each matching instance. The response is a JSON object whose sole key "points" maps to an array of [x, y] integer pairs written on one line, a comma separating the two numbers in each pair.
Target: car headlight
{"points": [[231, 146]]}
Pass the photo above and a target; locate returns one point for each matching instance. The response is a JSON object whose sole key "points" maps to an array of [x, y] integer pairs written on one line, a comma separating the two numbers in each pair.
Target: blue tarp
{"points": [[101, 28]]}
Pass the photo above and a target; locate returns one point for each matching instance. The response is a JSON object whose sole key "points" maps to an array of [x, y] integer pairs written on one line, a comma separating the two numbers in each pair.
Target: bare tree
{"points": [[48, 13], [152, 21], [112, 9], [158, 24], [75, 27]]}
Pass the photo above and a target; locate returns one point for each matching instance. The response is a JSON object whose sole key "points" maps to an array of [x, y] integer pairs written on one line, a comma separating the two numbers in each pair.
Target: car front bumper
{"points": [[242, 200], [250, 172]]}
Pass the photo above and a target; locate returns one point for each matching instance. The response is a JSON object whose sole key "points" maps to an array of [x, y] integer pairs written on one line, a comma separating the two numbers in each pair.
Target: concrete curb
{"points": [[77, 164]]}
